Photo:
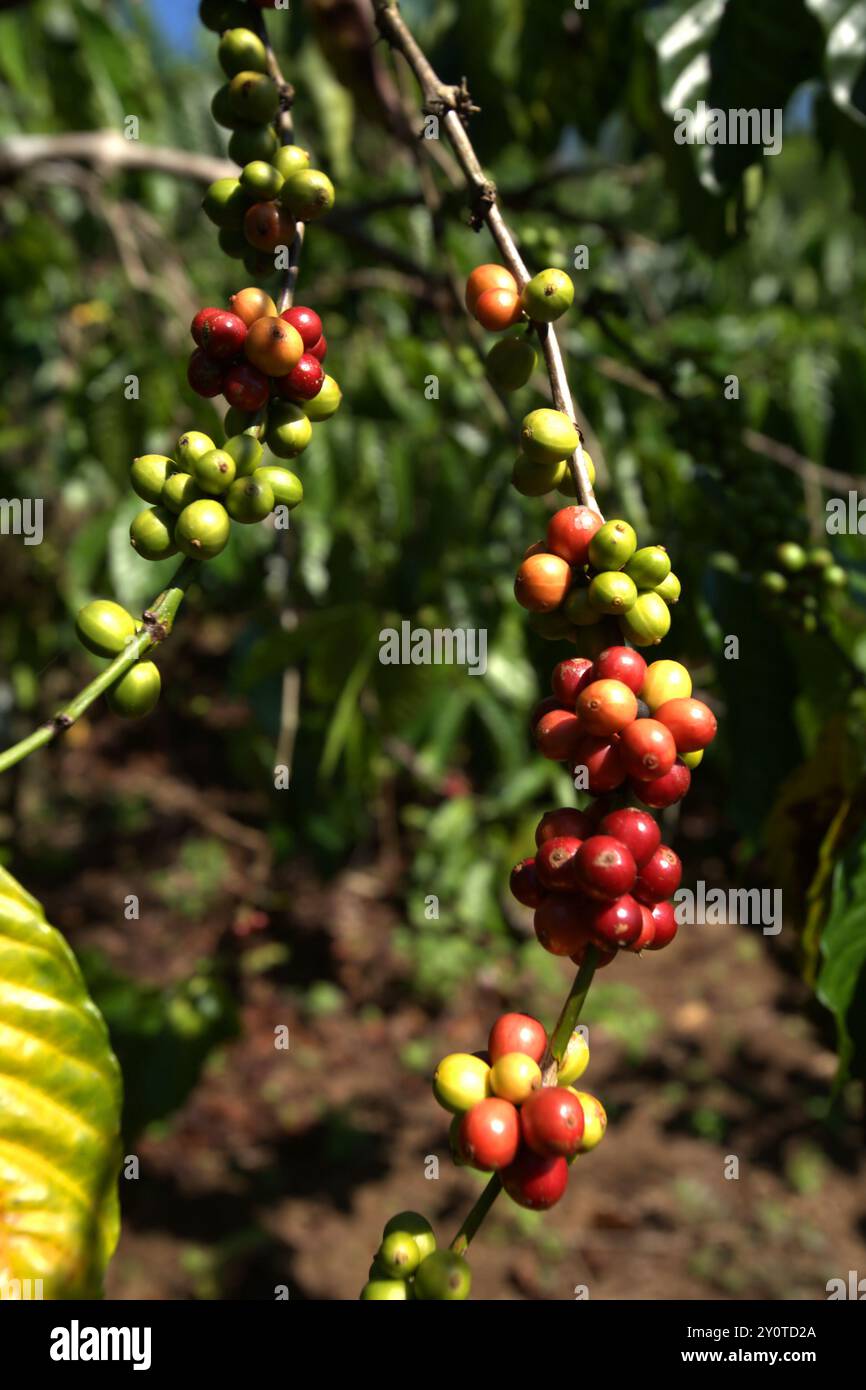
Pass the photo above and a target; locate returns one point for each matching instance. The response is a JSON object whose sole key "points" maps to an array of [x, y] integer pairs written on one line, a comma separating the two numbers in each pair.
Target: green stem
{"points": [[460, 1243], [158, 621]]}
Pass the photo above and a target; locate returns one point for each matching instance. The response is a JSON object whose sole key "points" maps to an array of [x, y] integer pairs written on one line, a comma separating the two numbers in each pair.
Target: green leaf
{"points": [[844, 22], [842, 978], [60, 1094]]}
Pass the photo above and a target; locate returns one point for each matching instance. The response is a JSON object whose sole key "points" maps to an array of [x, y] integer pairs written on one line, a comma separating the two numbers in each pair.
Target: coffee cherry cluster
{"points": [[507, 1122], [586, 570], [407, 1265], [106, 628], [495, 300], [801, 582]]}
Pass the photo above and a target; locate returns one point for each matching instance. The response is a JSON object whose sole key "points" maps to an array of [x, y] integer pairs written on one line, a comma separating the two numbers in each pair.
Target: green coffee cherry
{"points": [[202, 529], [669, 589], [791, 556], [535, 479], [566, 485], [308, 194], [253, 96], [548, 436], [179, 490], [511, 362], [547, 296], [218, 15], [693, 760], [578, 609], [137, 692], [647, 621], [289, 430], [214, 471], [612, 592], [550, 627], [253, 142], [240, 50], [246, 451], [289, 159], [258, 263], [232, 242], [385, 1290], [612, 547], [226, 203], [443, 1276], [249, 500], [104, 627], [326, 404], [399, 1255], [152, 534], [223, 111], [286, 486], [191, 446], [835, 577], [148, 474], [649, 566], [242, 422], [772, 582], [819, 557], [261, 180], [412, 1223]]}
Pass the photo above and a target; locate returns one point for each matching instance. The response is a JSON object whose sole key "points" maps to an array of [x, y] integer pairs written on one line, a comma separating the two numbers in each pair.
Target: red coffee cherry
{"points": [[665, 925], [659, 877], [621, 664], [307, 322], [605, 707], [551, 1122], [489, 1134], [542, 583], [555, 864], [637, 829], [304, 381], [603, 762], [199, 321], [647, 932], [498, 309], [517, 1033], [556, 735], [570, 531], [267, 226], [525, 883], [543, 707], [320, 349], [605, 867], [222, 335], [560, 923], [648, 749], [569, 677], [602, 958], [487, 277], [691, 722], [204, 376], [245, 387], [535, 1182], [566, 821], [664, 791], [616, 924]]}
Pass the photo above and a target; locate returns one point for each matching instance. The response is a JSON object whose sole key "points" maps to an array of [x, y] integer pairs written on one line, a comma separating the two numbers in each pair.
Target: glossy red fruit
{"points": [[525, 884], [569, 677], [555, 864], [320, 349], [664, 791], [551, 1122], [638, 830], [543, 707], [570, 531], [307, 322], [647, 932], [534, 1181], [616, 924], [222, 335], [605, 707], [489, 1134], [556, 735], [691, 722], [648, 749], [498, 309], [621, 664], [602, 958], [603, 762], [659, 877], [567, 820], [204, 376], [560, 923], [605, 867], [305, 379], [542, 583], [199, 321], [245, 387], [665, 925], [517, 1033]]}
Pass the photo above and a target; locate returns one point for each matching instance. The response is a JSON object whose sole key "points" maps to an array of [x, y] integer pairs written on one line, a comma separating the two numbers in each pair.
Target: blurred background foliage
{"points": [[704, 263]]}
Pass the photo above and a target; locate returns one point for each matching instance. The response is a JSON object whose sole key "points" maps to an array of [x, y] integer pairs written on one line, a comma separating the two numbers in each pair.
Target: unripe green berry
{"points": [[535, 479], [218, 15], [137, 691], [249, 500], [232, 242], [286, 486], [791, 556], [612, 592], [214, 471], [566, 484], [258, 263], [819, 558], [261, 180], [242, 422], [253, 96], [550, 627], [385, 1290], [326, 403], [178, 491], [511, 362], [547, 296], [289, 430], [240, 50], [647, 621], [226, 203], [669, 589], [835, 577], [203, 529], [104, 627], [308, 194], [443, 1277], [578, 609], [152, 534], [649, 566], [612, 546], [289, 159], [191, 446], [548, 436], [412, 1223], [148, 474], [222, 109], [772, 582], [399, 1254], [253, 142], [246, 451]]}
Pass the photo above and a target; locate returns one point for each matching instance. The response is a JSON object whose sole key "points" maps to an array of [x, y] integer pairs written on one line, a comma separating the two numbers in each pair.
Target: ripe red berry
{"points": [[489, 1134], [603, 762], [543, 707], [560, 923], [570, 531], [525, 883], [605, 707], [616, 924], [665, 924], [605, 867], [204, 376], [534, 1181], [569, 677], [636, 829], [664, 791], [222, 335], [199, 321], [659, 877], [556, 735], [542, 583], [305, 379], [517, 1033], [267, 226], [602, 958], [307, 322], [320, 349], [555, 863], [621, 664], [551, 1122], [691, 722], [566, 821], [647, 932], [245, 387], [648, 749]]}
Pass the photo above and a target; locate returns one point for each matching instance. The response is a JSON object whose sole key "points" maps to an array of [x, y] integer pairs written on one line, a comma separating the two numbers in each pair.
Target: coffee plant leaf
{"points": [[841, 985], [844, 25], [60, 1098]]}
